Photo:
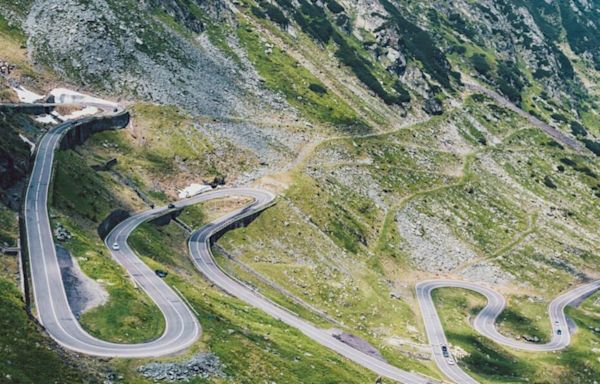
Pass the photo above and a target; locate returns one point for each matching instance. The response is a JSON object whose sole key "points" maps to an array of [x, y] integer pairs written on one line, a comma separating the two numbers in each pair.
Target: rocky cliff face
{"points": [[121, 48], [509, 45], [533, 52], [14, 157]]}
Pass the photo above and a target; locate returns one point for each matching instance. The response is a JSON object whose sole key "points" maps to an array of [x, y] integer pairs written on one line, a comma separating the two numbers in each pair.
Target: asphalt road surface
{"points": [[182, 328], [53, 311], [485, 322], [199, 247]]}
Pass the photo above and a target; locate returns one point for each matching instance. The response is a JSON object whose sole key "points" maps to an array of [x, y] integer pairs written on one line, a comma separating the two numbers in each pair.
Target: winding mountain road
{"points": [[52, 306], [485, 322], [200, 251], [181, 326]]}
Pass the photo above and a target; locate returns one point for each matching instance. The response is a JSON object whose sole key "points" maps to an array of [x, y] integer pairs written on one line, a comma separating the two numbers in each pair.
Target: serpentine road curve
{"points": [[53, 310], [200, 251], [485, 321], [181, 326]]}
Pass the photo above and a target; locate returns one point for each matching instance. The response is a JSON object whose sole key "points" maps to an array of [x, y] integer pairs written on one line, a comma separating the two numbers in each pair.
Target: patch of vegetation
{"points": [[164, 147], [577, 129], [79, 190], [362, 69], [510, 80], [274, 13], [283, 74], [314, 22], [481, 64], [549, 183], [518, 324], [334, 6], [11, 31], [421, 46], [316, 88], [463, 26], [582, 29], [193, 215], [28, 356], [82, 199], [9, 228], [592, 145]]}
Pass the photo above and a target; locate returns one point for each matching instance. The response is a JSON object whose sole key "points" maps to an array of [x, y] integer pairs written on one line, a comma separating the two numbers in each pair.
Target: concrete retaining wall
{"points": [[30, 109], [237, 224], [85, 128], [166, 218]]}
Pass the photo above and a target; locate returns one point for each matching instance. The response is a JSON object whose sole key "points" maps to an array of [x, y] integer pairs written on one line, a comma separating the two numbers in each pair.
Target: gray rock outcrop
{"points": [[202, 365]]}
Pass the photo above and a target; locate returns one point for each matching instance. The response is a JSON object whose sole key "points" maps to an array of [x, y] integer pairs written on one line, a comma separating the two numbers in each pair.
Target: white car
{"points": [[116, 246], [450, 362]]}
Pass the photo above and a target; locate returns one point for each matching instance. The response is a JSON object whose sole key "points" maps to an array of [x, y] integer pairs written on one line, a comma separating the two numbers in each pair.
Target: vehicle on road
{"points": [[160, 273], [450, 361], [558, 332], [445, 351], [171, 206], [115, 246]]}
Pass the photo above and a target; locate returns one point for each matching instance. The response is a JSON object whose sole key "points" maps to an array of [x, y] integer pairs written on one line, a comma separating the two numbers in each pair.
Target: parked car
{"points": [[160, 273]]}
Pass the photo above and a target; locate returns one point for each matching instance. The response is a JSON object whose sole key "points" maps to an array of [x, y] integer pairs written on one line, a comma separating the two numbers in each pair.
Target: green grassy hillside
{"points": [[388, 170]]}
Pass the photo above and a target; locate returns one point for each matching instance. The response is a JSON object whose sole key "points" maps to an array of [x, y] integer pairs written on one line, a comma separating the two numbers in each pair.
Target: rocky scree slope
{"points": [[410, 56], [119, 47]]}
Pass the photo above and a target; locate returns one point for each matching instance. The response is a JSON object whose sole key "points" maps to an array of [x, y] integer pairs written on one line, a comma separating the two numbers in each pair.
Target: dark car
{"points": [[558, 332], [445, 351], [160, 273], [171, 206]]}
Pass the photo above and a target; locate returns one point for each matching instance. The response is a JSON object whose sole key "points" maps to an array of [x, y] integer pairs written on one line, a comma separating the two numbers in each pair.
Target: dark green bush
{"points": [[592, 145], [549, 183], [258, 12], [461, 25], [460, 49], [586, 171], [481, 64], [560, 118], [274, 13], [287, 4], [578, 129], [554, 144], [316, 88], [510, 80], [569, 162], [334, 6]]}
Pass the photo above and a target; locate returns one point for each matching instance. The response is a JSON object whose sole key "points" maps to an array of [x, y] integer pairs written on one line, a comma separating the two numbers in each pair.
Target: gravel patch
{"points": [[487, 272], [431, 244], [202, 365], [358, 344], [83, 293]]}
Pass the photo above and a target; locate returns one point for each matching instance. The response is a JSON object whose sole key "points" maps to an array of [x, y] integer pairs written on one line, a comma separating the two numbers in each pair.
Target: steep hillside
{"points": [[406, 140]]}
